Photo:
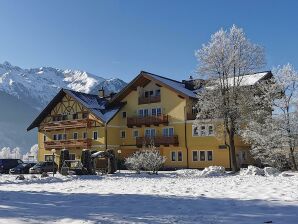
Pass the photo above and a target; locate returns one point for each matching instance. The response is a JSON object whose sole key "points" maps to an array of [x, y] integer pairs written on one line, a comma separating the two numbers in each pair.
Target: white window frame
{"points": [[175, 154], [122, 131], [44, 138], [168, 132], [204, 155], [198, 155], [150, 132], [73, 135], [133, 132], [178, 156], [202, 132], [83, 135], [198, 131], [207, 159], [96, 135], [50, 155]]}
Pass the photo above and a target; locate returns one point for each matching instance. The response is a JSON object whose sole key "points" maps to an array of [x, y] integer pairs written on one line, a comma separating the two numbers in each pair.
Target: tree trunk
{"points": [[232, 149], [293, 158]]}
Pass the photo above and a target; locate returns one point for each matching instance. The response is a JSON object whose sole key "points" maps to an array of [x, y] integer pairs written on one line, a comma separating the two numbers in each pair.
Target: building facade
{"points": [[151, 109]]}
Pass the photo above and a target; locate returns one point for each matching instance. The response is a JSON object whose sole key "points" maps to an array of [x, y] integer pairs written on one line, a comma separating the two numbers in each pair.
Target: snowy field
{"points": [[170, 197]]}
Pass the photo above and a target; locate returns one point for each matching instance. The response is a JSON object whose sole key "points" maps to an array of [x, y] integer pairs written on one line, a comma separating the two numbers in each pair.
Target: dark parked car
{"points": [[42, 167], [22, 168], [7, 164]]}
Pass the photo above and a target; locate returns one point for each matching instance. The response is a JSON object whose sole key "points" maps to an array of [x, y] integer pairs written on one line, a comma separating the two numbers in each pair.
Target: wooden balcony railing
{"points": [[157, 140], [71, 143], [147, 121], [66, 124], [150, 99]]}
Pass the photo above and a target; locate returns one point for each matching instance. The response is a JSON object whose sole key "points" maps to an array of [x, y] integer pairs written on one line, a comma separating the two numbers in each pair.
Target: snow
{"points": [[165, 198]]}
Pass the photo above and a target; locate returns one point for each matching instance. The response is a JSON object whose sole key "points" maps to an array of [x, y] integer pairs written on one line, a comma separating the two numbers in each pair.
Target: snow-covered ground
{"points": [[170, 197]]}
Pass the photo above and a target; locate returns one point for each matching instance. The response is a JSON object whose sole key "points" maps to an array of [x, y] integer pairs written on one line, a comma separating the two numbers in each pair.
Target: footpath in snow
{"points": [[184, 196]]}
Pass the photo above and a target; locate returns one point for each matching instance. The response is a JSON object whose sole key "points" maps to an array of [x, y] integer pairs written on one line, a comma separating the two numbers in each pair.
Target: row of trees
{"points": [[265, 114]]}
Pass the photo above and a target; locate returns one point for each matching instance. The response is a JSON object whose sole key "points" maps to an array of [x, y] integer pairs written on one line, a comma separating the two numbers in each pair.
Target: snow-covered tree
{"points": [[148, 158], [8, 153], [32, 153], [277, 133], [224, 60]]}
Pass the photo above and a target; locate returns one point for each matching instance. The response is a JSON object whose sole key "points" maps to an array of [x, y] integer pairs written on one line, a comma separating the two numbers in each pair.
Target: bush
{"points": [[148, 159]]}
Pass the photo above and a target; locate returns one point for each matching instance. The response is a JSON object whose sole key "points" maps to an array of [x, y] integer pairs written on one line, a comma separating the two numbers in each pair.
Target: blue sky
{"points": [[120, 38]]}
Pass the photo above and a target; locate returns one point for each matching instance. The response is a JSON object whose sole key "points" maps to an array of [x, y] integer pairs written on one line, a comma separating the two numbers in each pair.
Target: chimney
{"points": [[101, 93]]}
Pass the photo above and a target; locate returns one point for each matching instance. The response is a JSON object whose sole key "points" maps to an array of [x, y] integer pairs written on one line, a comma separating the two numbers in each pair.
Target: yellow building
{"points": [[150, 108]]}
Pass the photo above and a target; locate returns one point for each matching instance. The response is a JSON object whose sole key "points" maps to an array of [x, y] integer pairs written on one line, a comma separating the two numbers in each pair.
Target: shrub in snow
{"points": [[252, 171], [20, 177], [212, 171], [44, 174], [148, 159], [134, 162], [271, 171]]}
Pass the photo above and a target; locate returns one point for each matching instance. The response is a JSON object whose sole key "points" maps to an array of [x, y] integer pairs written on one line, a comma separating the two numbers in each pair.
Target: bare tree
{"points": [[225, 60]]}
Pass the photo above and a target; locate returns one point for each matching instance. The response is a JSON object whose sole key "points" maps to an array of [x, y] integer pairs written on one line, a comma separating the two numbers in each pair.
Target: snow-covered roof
{"points": [[96, 105], [179, 86], [247, 80]]}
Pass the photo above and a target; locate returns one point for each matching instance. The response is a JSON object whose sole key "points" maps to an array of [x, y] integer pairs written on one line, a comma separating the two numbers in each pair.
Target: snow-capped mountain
{"points": [[37, 86], [25, 92]]}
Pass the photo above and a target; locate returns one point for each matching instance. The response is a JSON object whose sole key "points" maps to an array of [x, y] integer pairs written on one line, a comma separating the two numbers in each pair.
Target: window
{"points": [[84, 135], [84, 115], [202, 156], [95, 135], [146, 112], [194, 156], [156, 111], [209, 155], [123, 114], [60, 136], [194, 110], [146, 94], [195, 131], [140, 113], [203, 130], [210, 130], [75, 135], [64, 117], [64, 136], [179, 156], [173, 156], [44, 138], [72, 156], [168, 132], [55, 137], [157, 92], [135, 133], [48, 158], [75, 116], [150, 132], [122, 134], [153, 111]]}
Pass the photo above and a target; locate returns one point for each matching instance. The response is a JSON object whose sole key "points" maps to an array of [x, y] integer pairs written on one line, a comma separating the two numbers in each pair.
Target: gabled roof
{"points": [[145, 77], [94, 104]]}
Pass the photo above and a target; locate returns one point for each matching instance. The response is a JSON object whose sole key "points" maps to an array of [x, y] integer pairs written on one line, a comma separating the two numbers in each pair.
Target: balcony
{"points": [[66, 124], [150, 99], [147, 121], [71, 143], [158, 140]]}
